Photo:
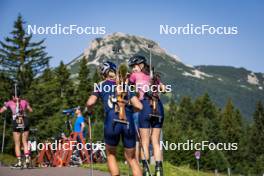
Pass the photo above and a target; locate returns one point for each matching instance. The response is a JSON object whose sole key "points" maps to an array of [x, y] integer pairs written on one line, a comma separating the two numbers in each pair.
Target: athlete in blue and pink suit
{"points": [[141, 78], [112, 134]]}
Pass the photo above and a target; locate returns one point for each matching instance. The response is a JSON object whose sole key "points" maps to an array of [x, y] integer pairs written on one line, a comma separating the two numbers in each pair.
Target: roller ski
{"points": [[18, 165], [158, 169], [22, 165]]}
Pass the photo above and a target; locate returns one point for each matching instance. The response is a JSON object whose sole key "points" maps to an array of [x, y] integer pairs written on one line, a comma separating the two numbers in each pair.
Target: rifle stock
{"points": [[121, 91]]}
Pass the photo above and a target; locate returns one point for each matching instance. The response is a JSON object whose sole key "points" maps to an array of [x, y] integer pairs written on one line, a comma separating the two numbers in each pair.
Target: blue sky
{"points": [[143, 18]]}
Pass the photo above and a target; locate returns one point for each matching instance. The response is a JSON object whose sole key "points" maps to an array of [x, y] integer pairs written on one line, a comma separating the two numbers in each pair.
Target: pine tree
{"points": [[67, 93], [180, 130], [231, 131], [21, 58], [63, 77], [6, 86], [172, 112], [96, 77], [98, 109], [5, 94], [85, 85], [44, 95], [257, 139], [173, 131], [205, 121], [185, 113], [230, 123]]}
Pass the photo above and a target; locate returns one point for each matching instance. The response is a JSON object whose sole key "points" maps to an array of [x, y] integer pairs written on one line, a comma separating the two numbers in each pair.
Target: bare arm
{"points": [[136, 103], [3, 109], [82, 126], [91, 101], [29, 108]]}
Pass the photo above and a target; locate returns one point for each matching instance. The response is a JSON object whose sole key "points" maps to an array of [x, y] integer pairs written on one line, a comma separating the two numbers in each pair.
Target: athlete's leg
{"points": [[155, 139], [137, 153], [16, 137], [25, 142], [136, 122], [131, 159], [111, 160], [145, 137]]}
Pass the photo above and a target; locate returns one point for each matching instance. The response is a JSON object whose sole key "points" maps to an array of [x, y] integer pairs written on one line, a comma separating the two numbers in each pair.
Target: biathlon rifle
{"points": [[154, 93], [19, 115], [121, 93]]}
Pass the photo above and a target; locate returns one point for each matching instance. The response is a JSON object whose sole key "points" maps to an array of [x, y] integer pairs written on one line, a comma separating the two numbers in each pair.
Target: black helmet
{"points": [[136, 59], [107, 66]]}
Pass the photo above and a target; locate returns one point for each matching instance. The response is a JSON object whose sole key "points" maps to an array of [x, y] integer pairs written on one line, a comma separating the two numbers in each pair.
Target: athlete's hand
{"points": [[119, 89], [2, 110], [88, 112]]}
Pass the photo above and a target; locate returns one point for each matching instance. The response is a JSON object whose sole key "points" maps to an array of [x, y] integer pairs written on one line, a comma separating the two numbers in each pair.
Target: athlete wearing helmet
{"points": [[136, 60], [112, 135], [107, 67], [141, 78]]}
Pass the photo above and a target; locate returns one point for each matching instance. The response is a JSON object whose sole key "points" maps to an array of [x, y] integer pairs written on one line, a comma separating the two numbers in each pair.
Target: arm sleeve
{"points": [[81, 120], [96, 91], [7, 104], [97, 94], [26, 103], [132, 78]]}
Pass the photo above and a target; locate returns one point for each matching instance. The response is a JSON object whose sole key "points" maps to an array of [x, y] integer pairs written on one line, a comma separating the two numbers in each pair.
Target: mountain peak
{"points": [[220, 82], [129, 44]]}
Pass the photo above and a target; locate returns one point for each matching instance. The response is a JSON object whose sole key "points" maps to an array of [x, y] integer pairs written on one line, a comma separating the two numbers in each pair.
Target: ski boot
{"points": [[146, 171], [27, 162], [158, 169], [18, 165]]}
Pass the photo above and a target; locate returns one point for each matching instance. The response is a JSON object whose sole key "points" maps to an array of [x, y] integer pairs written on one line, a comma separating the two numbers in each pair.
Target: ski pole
{"points": [[4, 129], [91, 147], [150, 46]]}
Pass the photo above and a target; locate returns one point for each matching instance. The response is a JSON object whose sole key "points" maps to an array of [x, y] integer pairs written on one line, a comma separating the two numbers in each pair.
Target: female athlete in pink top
{"points": [[18, 108], [12, 105], [141, 78]]}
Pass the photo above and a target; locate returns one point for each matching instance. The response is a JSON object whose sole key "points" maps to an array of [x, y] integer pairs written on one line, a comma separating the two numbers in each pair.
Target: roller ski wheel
{"points": [[18, 165]]}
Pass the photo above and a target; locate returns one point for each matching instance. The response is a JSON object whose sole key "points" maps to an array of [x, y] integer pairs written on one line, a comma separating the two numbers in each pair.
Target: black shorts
{"points": [[113, 134], [144, 118], [18, 128]]}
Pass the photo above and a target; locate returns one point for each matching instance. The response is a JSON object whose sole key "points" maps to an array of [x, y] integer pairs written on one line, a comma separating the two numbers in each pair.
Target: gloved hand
{"points": [[87, 112]]}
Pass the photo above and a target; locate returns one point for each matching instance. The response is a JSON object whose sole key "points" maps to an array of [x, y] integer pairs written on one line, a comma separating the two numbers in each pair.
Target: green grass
{"points": [[7, 159], [169, 169]]}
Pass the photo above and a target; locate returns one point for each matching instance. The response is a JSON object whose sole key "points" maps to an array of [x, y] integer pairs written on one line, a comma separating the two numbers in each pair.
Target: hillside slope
{"points": [[221, 82]]}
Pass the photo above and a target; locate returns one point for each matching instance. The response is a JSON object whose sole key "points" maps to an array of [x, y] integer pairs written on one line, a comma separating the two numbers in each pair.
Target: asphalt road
{"points": [[50, 171]]}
